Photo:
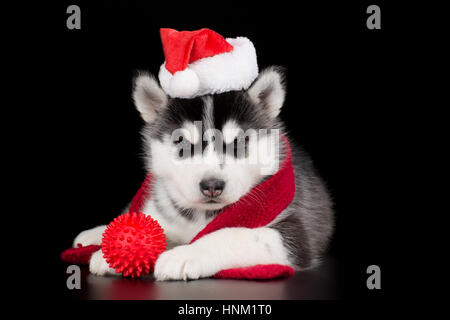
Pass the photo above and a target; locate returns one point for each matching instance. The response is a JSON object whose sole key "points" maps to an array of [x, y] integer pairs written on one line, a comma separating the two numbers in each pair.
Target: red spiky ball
{"points": [[132, 243]]}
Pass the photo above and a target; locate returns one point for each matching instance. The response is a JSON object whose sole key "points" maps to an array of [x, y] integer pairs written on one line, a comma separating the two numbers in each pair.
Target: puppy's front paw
{"points": [[88, 237], [184, 262], [99, 266]]}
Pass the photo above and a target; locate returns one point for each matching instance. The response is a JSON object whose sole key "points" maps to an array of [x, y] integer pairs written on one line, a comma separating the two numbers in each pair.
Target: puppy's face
{"points": [[211, 150]]}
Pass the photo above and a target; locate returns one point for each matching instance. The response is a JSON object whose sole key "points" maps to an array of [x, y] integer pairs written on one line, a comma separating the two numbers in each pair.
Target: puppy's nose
{"points": [[212, 187]]}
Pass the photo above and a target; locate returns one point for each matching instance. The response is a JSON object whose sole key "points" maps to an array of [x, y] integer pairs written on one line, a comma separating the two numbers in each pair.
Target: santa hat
{"points": [[203, 62]]}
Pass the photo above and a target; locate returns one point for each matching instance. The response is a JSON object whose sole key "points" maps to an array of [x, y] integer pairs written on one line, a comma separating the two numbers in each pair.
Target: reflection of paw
{"points": [[88, 237], [184, 262], [99, 266]]}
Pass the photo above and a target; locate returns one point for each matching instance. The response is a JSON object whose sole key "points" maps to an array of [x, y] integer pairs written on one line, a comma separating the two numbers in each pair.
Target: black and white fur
{"points": [[297, 237]]}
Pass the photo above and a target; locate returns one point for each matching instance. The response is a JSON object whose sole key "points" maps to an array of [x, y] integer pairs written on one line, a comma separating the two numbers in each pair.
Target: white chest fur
{"points": [[178, 229]]}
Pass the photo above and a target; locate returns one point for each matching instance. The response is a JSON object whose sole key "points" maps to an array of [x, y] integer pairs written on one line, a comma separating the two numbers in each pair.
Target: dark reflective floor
{"points": [[320, 283]]}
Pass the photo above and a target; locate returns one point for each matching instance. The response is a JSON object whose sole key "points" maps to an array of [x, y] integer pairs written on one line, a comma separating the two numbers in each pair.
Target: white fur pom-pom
{"points": [[184, 84]]}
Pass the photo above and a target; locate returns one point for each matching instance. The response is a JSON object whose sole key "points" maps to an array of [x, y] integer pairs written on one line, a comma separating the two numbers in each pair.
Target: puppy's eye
{"points": [[183, 146], [179, 140], [240, 146]]}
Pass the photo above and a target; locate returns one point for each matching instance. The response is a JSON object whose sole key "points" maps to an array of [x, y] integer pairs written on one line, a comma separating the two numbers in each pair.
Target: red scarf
{"points": [[274, 195]]}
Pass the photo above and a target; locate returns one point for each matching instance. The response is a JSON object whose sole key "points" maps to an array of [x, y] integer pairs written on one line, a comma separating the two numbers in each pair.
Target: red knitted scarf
{"points": [[274, 195]]}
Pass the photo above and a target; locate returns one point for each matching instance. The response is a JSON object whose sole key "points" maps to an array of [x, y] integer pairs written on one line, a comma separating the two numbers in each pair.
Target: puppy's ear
{"points": [[148, 96], [269, 90]]}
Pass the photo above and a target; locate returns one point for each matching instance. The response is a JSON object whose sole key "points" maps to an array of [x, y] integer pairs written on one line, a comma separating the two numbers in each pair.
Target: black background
{"points": [[343, 106]]}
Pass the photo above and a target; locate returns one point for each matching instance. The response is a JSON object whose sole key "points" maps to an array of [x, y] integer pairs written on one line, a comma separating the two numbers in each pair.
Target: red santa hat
{"points": [[203, 62]]}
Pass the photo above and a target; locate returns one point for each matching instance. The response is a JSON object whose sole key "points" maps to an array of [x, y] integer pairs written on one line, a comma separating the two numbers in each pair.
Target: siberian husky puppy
{"points": [[198, 151]]}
